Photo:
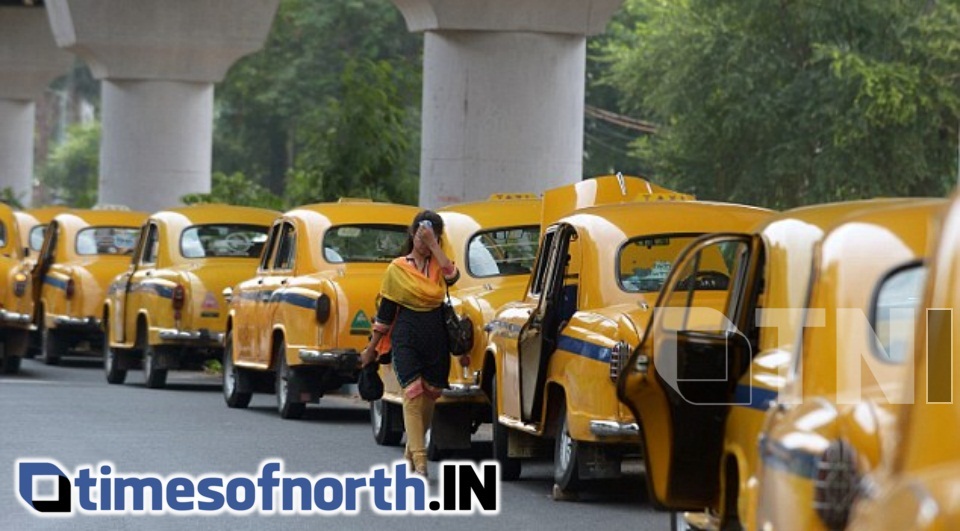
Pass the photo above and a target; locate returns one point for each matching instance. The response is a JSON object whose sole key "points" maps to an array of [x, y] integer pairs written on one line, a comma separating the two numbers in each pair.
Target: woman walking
{"points": [[409, 325]]}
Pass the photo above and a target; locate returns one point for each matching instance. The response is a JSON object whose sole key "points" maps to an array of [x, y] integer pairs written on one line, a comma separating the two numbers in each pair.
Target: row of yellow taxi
{"points": [[762, 365]]}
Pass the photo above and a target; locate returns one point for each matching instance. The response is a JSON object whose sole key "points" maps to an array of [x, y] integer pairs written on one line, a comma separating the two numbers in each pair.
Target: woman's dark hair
{"points": [[424, 215]]}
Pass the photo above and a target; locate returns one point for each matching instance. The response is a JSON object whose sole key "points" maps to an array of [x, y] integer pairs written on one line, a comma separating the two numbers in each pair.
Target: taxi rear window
{"points": [[364, 243], [223, 240], [107, 240], [3, 234], [501, 252], [644, 262], [36, 237]]}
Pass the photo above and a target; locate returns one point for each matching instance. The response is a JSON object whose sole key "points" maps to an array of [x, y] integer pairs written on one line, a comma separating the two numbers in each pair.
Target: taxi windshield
{"points": [[644, 262], [501, 252], [363, 243], [223, 240], [107, 241]]}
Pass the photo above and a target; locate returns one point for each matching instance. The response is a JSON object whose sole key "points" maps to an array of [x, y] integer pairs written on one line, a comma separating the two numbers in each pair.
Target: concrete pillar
{"points": [[158, 60], [503, 93], [29, 60]]}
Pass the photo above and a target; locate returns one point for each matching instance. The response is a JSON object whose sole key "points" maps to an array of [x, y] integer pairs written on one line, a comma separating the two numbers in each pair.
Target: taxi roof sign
{"points": [[511, 196]]}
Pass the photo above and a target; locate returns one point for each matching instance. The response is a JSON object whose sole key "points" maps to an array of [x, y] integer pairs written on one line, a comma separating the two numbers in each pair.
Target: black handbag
{"points": [[369, 383], [459, 331]]}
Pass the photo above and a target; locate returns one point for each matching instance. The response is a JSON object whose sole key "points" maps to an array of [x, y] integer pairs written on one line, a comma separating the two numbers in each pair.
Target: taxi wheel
{"points": [[434, 452], [288, 408], [14, 348], [232, 378], [509, 466], [153, 376], [383, 416], [52, 347], [565, 457], [11, 363], [111, 365]]}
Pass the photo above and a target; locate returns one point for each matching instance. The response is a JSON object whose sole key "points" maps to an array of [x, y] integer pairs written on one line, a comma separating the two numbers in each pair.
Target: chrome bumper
{"points": [[609, 428], [462, 391], [77, 323], [191, 336], [330, 358], [8, 317]]}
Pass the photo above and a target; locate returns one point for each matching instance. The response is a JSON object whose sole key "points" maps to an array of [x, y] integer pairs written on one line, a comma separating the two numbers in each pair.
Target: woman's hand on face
{"points": [[427, 238]]}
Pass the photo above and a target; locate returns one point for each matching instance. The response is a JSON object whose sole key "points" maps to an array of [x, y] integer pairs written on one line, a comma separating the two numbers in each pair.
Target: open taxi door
{"points": [[539, 335], [44, 259], [680, 381]]}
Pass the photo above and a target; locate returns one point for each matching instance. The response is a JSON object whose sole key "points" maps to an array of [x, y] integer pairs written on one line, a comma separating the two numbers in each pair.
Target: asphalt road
{"points": [[70, 414]]}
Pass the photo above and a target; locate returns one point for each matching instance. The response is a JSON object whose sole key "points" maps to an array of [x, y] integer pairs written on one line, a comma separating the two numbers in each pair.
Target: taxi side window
{"points": [[539, 277], [707, 288], [269, 250], [286, 249], [151, 246]]}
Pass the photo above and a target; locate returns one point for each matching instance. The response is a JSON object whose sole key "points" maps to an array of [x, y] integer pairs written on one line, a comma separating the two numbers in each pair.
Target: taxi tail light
{"points": [[323, 308], [837, 484], [71, 288], [179, 297], [618, 358]]}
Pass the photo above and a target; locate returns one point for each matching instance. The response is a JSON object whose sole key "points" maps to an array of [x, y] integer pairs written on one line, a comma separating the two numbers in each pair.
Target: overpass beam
{"points": [[29, 60], [158, 61], [503, 93]]}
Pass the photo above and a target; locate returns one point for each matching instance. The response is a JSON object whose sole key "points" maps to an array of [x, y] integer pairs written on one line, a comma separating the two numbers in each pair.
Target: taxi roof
{"points": [[105, 218], [667, 216], [498, 212], [356, 212], [215, 213]]}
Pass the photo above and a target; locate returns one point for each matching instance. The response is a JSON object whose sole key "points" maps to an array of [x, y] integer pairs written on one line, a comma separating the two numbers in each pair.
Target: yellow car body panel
{"points": [[783, 250], [917, 486], [274, 315], [588, 312], [171, 256], [841, 402]]}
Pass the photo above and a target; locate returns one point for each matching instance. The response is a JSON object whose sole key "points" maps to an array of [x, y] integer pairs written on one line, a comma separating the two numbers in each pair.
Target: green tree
{"points": [[278, 106], [73, 169], [783, 103], [236, 189]]}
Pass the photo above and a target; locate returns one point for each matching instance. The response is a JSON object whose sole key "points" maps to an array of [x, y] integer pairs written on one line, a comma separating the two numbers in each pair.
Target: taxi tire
{"points": [[382, 418], [111, 364], [11, 363], [510, 467], [232, 377], [287, 408], [153, 376], [565, 457], [52, 347]]}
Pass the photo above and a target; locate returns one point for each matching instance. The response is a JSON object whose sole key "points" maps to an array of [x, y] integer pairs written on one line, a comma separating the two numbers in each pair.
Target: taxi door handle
{"points": [[284, 282], [260, 281]]}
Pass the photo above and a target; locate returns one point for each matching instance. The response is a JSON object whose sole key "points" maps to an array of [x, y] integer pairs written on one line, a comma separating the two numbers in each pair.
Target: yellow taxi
{"points": [[296, 328], [167, 310], [718, 365], [82, 251], [916, 486], [839, 397], [557, 353], [494, 243], [14, 324]]}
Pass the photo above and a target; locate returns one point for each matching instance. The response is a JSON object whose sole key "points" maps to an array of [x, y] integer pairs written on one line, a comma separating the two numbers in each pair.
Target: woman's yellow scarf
{"points": [[408, 287], [405, 285]]}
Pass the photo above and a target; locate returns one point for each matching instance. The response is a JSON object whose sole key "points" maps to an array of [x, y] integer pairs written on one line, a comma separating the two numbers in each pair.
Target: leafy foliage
{"points": [[797, 101], [236, 189], [73, 168], [329, 107]]}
